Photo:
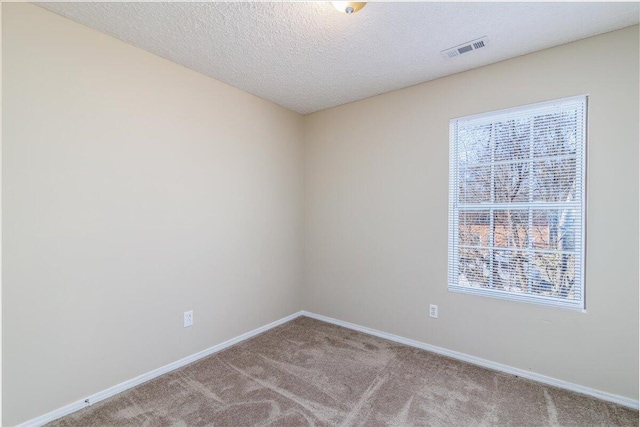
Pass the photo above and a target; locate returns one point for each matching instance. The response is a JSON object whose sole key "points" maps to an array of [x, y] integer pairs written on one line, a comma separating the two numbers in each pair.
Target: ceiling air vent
{"points": [[465, 47]]}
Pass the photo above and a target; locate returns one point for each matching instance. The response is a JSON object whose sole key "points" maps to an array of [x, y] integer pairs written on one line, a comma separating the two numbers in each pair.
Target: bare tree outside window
{"points": [[516, 202]]}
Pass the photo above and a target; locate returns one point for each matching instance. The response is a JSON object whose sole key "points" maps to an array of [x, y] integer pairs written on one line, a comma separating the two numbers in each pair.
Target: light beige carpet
{"points": [[308, 372]]}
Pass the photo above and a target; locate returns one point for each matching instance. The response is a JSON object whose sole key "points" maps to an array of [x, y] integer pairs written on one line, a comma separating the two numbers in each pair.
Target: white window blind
{"points": [[517, 203]]}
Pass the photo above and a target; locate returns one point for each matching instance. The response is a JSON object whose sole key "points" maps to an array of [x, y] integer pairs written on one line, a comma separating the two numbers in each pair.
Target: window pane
{"points": [[511, 228], [473, 267], [512, 139], [474, 228], [554, 180], [556, 134], [555, 229], [511, 183], [475, 184], [474, 144], [511, 269], [554, 274]]}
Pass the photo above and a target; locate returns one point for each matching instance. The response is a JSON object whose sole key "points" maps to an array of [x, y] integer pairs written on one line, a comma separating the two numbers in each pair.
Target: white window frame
{"points": [[581, 165]]}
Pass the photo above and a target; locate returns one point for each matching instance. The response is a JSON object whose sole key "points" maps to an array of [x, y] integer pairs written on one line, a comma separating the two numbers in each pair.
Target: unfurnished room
{"points": [[320, 214]]}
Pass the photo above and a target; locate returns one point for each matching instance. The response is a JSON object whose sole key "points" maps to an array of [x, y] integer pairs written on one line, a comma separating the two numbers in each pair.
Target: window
{"points": [[517, 203]]}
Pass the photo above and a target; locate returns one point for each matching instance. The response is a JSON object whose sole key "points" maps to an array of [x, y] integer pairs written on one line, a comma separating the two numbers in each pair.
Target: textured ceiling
{"points": [[308, 57]]}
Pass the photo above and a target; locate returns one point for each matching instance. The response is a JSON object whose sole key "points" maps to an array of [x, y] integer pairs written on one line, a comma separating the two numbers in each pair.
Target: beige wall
{"points": [[376, 188], [134, 190]]}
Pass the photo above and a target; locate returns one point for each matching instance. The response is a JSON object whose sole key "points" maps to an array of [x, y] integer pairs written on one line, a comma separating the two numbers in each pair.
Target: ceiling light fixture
{"points": [[348, 7]]}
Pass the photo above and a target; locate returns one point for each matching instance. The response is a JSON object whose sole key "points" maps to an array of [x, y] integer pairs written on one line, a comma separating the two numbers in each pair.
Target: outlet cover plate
{"points": [[433, 311], [188, 318]]}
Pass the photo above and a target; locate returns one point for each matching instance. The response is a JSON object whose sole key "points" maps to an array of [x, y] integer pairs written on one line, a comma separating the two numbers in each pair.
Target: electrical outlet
{"points": [[188, 318], [433, 311]]}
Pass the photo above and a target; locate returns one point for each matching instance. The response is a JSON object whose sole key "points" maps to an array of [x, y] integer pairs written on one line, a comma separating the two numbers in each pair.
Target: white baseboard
{"points": [[97, 397], [609, 397]]}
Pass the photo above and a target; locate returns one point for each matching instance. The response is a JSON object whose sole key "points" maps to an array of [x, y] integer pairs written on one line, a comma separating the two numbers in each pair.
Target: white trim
{"points": [[609, 397], [577, 104], [112, 391], [97, 397]]}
